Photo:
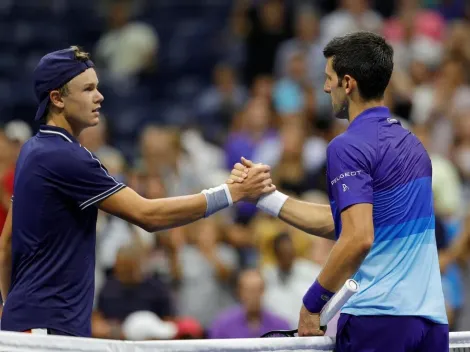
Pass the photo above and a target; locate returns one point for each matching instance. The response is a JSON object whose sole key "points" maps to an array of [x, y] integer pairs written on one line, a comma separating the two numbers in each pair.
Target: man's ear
{"points": [[56, 99], [349, 84]]}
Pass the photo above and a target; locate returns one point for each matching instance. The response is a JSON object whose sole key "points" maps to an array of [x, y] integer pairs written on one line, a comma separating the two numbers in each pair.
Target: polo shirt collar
{"points": [[47, 130]]}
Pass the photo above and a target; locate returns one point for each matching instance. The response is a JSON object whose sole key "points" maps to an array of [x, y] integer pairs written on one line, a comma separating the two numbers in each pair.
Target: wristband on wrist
{"points": [[217, 198], [272, 203], [316, 297]]}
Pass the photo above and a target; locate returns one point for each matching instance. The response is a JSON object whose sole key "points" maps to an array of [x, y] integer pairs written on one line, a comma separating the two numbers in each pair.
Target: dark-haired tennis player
{"points": [[48, 243], [379, 184]]}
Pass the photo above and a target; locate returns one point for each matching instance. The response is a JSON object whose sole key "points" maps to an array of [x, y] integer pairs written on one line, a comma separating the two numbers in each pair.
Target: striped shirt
{"points": [[377, 161]]}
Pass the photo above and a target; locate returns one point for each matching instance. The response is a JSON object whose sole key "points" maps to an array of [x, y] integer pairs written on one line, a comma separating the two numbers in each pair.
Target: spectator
{"points": [[219, 103], [201, 267], [17, 133], [249, 319], [163, 155], [293, 156], [352, 16], [254, 126], [289, 92], [130, 290], [129, 48], [269, 27], [287, 280]]}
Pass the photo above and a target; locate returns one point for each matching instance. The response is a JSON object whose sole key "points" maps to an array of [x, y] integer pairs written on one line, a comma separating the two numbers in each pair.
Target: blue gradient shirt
{"points": [[378, 161]]}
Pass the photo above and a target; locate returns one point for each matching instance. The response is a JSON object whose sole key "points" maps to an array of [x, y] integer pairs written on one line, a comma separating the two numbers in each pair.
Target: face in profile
{"points": [[334, 87], [82, 102]]}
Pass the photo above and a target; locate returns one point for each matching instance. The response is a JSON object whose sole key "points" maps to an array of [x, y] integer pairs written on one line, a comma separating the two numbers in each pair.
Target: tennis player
{"points": [[48, 243], [379, 185]]}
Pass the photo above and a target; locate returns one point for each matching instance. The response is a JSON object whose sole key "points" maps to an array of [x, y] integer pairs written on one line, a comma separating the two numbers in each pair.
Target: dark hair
{"points": [[366, 57]]}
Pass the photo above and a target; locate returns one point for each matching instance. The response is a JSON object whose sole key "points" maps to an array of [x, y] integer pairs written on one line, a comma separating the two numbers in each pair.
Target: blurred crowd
{"points": [[184, 100]]}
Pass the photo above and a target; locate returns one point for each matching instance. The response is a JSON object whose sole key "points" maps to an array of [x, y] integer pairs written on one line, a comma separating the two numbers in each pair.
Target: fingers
{"points": [[239, 173], [246, 162], [310, 332], [260, 168], [268, 189], [267, 182], [240, 167]]}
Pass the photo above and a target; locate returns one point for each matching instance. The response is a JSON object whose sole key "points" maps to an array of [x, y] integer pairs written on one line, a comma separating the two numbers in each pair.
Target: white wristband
{"points": [[217, 198], [228, 194], [272, 203]]}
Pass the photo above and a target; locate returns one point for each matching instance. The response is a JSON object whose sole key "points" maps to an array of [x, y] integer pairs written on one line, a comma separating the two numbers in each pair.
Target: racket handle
{"points": [[336, 302]]}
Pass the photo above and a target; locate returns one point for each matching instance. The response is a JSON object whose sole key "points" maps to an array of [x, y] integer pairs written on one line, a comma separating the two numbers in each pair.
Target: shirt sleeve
{"points": [[348, 174], [81, 176]]}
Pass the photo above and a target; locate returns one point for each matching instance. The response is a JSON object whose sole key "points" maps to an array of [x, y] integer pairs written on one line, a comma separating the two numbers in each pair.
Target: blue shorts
{"points": [[390, 334]]}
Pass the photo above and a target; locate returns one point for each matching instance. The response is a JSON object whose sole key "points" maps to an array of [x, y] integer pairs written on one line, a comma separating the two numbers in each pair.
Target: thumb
{"points": [[246, 162]]}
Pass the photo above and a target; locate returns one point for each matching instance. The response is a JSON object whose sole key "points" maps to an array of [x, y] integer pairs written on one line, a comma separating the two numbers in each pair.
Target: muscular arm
{"points": [[5, 256], [352, 247], [315, 219]]}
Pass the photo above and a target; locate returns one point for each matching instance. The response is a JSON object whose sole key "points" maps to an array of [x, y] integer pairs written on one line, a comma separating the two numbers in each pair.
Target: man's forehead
{"points": [[329, 66], [86, 77]]}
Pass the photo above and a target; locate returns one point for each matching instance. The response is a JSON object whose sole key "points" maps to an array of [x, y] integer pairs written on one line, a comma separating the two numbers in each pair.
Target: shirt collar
{"points": [[47, 130], [377, 111]]}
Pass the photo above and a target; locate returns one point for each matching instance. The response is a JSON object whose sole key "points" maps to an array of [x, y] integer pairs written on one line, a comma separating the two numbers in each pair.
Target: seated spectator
{"points": [[129, 48], [128, 290], [289, 91], [249, 319], [253, 126], [288, 280], [293, 156], [201, 267], [218, 104]]}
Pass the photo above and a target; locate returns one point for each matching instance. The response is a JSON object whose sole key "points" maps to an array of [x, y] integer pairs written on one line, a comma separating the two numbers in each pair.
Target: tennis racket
{"points": [[328, 312]]}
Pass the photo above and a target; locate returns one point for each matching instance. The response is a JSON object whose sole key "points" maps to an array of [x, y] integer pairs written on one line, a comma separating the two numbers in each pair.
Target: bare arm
{"points": [[155, 214], [315, 219], [158, 214], [5, 256], [352, 247]]}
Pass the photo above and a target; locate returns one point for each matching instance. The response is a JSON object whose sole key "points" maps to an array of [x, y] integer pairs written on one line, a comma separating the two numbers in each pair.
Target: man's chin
{"points": [[94, 121]]}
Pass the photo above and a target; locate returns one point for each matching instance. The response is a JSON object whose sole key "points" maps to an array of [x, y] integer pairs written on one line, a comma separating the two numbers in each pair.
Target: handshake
{"points": [[249, 181]]}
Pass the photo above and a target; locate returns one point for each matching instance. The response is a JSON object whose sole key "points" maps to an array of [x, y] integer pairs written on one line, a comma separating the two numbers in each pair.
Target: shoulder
{"points": [[71, 160], [73, 154], [351, 146], [343, 143]]}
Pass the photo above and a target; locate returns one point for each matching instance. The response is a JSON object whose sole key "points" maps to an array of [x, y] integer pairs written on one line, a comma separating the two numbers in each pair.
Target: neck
{"points": [[253, 316], [355, 109], [62, 122]]}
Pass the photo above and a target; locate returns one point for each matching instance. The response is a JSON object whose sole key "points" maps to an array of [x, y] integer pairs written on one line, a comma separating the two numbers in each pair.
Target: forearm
{"points": [[165, 213], [346, 257], [5, 257], [158, 214], [315, 219]]}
